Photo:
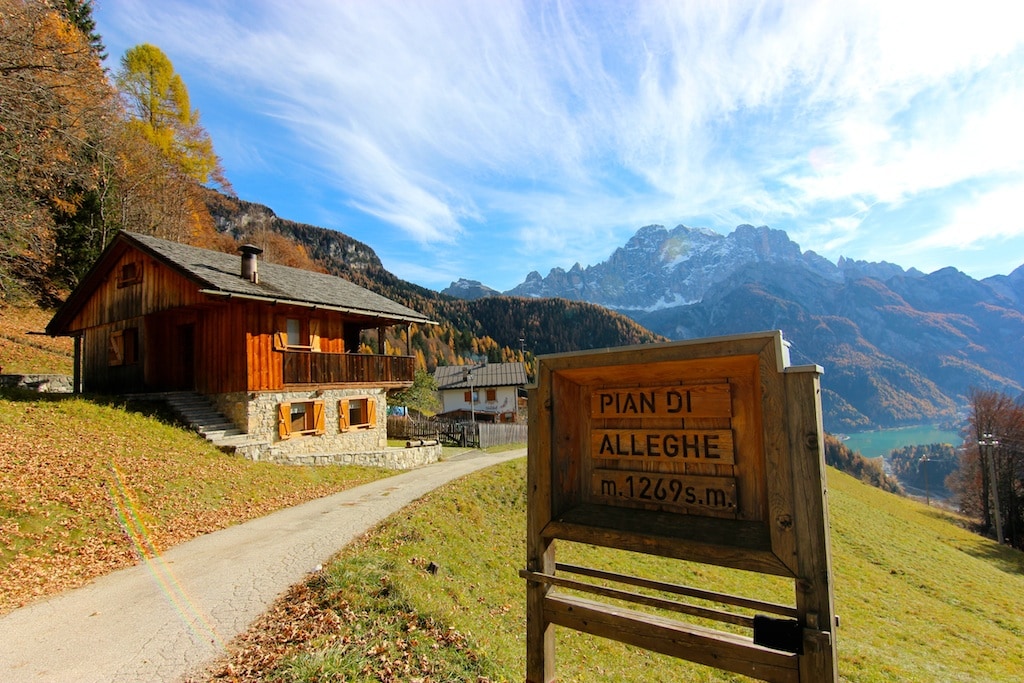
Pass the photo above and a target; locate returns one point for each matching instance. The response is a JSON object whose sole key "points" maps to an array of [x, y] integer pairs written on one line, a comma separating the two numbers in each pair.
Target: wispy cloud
{"points": [[559, 128]]}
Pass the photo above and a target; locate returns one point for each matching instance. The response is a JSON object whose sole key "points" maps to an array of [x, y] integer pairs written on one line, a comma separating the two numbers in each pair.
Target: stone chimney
{"points": [[249, 269]]}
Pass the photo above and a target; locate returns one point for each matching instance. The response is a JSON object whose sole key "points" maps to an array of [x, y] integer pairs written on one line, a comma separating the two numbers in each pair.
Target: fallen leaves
{"points": [[382, 644], [88, 488]]}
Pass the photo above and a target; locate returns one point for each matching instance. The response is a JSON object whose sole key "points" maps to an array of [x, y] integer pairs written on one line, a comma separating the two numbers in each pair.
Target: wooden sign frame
{"points": [[709, 451]]}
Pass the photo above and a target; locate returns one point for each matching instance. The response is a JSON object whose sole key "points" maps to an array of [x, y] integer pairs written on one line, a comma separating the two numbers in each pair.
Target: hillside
{"points": [[499, 328], [919, 597], [22, 352], [127, 485]]}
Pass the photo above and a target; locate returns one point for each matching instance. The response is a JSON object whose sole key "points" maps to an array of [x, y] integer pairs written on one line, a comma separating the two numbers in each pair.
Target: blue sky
{"points": [[488, 138]]}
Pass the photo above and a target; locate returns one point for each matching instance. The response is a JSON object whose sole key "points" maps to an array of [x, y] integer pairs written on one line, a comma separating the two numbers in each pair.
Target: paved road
{"points": [[171, 616]]}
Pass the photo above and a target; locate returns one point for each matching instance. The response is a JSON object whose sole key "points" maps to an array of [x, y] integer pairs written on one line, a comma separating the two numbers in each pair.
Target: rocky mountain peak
{"points": [[471, 289], [659, 268]]}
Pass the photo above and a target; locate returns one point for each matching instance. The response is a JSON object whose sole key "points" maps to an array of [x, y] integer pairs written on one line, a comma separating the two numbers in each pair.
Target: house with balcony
{"points": [[488, 392], [274, 349]]}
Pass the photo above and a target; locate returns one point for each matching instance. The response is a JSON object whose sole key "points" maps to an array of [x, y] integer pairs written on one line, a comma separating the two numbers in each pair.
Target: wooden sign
{"points": [[708, 451]]}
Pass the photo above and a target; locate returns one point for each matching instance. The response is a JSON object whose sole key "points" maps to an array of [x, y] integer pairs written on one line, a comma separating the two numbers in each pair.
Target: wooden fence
{"points": [[454, 433], [401, 427], [501, 434]]}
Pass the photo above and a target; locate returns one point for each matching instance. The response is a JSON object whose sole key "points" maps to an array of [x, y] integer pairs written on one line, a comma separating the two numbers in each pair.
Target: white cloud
{"points": [[523, 118], [992, 216]]}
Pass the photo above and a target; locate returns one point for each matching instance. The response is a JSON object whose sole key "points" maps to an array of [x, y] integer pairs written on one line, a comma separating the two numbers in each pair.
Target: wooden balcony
{"points": [[307, 367]]}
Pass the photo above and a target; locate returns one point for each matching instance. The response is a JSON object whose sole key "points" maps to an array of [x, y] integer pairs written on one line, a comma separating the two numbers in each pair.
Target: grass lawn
{"points": [[22, 353], [433, 594]]}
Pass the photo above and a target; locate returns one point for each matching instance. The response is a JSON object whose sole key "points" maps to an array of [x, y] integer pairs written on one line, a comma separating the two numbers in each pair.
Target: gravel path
{"points": [[173, 615]]}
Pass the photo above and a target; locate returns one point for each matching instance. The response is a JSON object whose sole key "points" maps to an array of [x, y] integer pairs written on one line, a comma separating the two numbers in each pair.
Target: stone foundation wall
{"points": [[256, 414], [55, 384], [390, 458]]}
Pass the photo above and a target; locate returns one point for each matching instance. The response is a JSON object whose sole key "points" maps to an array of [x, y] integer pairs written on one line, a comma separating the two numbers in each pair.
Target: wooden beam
{"points": [[702, 645], [540, 551], [814, 592]]}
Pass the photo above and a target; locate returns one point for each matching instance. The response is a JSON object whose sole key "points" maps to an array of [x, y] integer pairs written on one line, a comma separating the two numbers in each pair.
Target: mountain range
{"points": [[898, 346]]}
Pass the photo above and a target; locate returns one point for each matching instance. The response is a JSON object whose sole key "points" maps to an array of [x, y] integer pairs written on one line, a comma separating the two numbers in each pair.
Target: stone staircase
{"points": [[199, 414]]}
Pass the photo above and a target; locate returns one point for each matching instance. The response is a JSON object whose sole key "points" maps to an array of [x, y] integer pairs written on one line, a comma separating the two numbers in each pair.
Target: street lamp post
{"points": [[927, 492], [989, 441]]}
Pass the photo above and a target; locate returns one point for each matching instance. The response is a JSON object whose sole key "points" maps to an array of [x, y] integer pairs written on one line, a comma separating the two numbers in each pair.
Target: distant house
{"points": [[488, 392], [274, 349]]}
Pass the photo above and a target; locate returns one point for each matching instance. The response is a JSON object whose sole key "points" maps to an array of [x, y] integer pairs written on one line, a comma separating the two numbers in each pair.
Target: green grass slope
{"points": [[920, 598]]}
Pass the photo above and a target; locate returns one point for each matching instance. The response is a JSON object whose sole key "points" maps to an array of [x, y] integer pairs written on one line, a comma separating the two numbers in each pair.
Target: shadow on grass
{"points": [[156, 409], [1004, 558]]}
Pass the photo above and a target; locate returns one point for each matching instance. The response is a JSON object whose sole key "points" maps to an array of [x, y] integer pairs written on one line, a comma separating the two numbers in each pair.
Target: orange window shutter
{"points": [[280, 333], [371, 412], [318, 417], [343, 415], [284, 420], [115, 351], [314, 334], [468, 397]]}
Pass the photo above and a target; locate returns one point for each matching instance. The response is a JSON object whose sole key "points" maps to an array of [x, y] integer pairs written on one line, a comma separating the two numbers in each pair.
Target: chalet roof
{"points": [[218, 274], [488, 375]]}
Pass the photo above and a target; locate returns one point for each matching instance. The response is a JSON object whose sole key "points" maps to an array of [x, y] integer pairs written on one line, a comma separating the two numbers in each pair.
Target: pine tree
{"points": [[79, 14]]}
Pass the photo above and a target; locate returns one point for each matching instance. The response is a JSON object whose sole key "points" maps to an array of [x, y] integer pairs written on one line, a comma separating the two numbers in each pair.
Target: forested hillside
{"points": [[500, 329]]}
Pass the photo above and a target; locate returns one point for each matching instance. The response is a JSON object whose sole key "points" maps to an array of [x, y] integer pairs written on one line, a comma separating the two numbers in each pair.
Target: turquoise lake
{"points": [[880, 441]]}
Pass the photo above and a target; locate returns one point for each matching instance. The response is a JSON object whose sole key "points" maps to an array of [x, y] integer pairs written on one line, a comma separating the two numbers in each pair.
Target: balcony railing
{"points": [[306, 367]]}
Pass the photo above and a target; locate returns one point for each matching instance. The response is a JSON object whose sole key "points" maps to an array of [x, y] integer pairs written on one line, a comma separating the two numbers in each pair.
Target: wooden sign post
{"points": [[708, 451]]}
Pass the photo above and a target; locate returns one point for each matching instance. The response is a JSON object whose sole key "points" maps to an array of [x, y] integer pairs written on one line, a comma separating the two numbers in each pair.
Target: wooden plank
{"points": [[568, 420], [714, 446], [641, 599], [683, 494], [705, 646], [814, 596], [689, 591], [699, 400], [601, 366], [778, 467], [724, 542]]}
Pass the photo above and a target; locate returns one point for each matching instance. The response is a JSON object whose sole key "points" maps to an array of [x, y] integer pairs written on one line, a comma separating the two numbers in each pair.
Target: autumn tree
{"points": [[158, 104], [79, 14], [992, 460], [166, 153], [57, 116]]}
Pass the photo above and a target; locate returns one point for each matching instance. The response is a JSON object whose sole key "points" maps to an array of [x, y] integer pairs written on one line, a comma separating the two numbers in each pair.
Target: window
{"points": [[297, 419], [297, 333], [130, 274], [471, 396], [492, 395], [357, 413], [123, 348]]}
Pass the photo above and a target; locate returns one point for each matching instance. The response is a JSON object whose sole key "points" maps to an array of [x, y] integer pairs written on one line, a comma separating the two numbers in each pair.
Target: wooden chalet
{"points": [[274, 348]]}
